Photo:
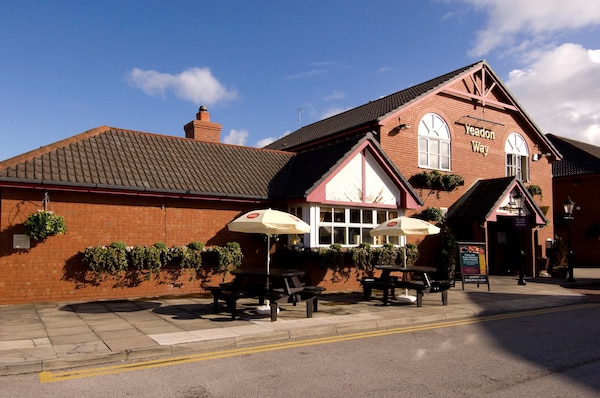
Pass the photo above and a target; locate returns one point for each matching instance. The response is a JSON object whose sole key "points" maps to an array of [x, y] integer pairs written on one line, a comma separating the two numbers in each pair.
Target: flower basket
{"points": [[43, 223]]}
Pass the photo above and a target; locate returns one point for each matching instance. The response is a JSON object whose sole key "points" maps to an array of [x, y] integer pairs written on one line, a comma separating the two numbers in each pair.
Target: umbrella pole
{"points": [[268, 258]]}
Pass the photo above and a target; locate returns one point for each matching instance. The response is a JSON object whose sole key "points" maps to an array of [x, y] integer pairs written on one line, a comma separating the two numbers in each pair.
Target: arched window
{"points": [[434, 142], [517, 157]]}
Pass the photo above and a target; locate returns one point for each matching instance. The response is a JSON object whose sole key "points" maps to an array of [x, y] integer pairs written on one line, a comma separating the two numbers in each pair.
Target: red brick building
{"points": [[576, 176], [343, 175]]}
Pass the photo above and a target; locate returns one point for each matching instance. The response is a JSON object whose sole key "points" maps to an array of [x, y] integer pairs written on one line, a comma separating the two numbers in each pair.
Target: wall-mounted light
{"points": [[403, 126], [537, 156]]}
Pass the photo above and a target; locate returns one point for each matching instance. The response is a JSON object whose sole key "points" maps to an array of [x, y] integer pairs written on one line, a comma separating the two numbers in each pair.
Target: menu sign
{"points": [[473, 265]]}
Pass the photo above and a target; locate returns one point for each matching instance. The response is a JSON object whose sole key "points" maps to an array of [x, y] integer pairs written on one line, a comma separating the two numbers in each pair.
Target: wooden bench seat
{"points": [[388, 286], [308, 295]]}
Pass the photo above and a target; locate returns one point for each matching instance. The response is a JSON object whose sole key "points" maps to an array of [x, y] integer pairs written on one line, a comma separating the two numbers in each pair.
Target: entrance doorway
{"points": [[505, 243]]}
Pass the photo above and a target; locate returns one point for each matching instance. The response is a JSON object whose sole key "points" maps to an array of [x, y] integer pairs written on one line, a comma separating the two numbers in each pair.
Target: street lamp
{"points": [[568, 206], [519, 201]]}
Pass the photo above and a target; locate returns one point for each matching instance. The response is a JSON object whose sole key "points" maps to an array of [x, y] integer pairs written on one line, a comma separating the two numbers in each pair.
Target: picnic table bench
{"points": [[285, 287], [388, 284]]}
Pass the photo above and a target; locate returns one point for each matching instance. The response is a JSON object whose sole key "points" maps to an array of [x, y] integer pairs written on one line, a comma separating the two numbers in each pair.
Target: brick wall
{"points": [[402, 147], [52, 270], [585, 192]]}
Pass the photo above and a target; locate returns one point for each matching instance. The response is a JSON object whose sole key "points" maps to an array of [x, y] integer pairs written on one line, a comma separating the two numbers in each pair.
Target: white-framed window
{"points": [[351, 226], [517, 157], [434, 142], [296, 239]]}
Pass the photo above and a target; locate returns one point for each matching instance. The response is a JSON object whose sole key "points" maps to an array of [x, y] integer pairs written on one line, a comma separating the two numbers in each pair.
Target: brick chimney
{"points": [[202, 128]]}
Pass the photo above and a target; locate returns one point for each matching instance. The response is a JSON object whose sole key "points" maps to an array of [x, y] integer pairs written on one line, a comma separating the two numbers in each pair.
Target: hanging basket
{"points": [[44, 223]]}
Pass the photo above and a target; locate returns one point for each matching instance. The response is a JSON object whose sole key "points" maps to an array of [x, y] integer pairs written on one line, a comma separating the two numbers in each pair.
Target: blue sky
{"points": [[69, 66]]}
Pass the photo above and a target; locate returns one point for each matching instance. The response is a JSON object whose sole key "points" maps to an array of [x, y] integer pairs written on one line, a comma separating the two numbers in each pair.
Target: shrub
{"points": [[42, 224]]}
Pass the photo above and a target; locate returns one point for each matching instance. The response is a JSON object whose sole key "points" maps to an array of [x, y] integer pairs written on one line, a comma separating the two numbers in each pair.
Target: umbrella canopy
{"points": [[403, 226], [269, 222]]}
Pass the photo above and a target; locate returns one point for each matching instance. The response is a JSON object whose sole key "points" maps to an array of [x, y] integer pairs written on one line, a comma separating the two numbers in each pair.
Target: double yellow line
{"points": [[49, 377]]}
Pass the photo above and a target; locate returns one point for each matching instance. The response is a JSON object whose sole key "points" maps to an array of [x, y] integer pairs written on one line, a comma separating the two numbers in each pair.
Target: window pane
{"points": [[339, 235], [366, 237], [325, 214], [368, 216], [445, 148], [392, 214], [355, 216], [381, 216], [524, 169], [354, 234], [445, 163], [339, 215], [325, 235], [394, 240]]}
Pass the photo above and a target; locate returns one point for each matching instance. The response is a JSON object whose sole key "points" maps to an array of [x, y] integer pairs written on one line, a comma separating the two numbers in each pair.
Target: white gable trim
{"points": [[359, 181]]}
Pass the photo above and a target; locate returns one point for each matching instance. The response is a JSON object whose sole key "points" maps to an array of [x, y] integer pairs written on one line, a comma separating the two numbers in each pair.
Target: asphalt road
{"points": [[540, 353]]}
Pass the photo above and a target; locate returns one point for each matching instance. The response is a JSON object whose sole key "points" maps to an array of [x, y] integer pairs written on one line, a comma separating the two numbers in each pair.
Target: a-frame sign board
{"points": [[473, 265]]}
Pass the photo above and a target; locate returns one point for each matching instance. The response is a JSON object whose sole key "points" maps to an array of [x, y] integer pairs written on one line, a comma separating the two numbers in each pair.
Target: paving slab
{"points": [[51, 336]]}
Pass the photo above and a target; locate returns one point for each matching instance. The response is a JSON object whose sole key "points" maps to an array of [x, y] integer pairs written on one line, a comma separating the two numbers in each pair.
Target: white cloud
{"points": [[522, 24], [303, 74], [236, 137], [195, 84], [561, 92], [265, 141], [336, 95]]}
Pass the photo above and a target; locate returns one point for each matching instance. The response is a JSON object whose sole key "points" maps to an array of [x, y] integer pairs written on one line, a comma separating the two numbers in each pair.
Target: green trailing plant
{"points": [[387, 255], [137, 257], [559, 253], [229, 258], [436, 180], [431, 214], [116, 258], [95, 258], [449, 256], [43, 224], [362, 257], [411, 252], [535, 190], [191, 256], [155, 258]]}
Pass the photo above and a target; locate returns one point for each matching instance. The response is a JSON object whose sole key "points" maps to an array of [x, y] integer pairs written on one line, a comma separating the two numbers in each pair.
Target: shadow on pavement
{"points": [[99, 307]]}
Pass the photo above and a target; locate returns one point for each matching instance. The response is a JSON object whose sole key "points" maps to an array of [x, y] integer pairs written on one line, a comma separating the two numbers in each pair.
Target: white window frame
{"points": [[517, 157], [435, 150], [342, 226]]}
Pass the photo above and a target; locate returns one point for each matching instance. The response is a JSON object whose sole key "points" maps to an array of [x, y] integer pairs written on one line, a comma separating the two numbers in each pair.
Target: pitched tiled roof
{"points": [[114, 159], [480, 199], [578, 157], [364, 115]]}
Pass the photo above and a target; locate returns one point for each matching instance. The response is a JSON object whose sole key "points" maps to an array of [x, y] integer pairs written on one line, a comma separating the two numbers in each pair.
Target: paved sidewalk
{"points": [[51, 336]]}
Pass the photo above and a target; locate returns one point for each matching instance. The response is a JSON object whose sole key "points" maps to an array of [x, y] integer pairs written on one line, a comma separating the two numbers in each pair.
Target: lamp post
{"points": [[519, 200], [568, 207]]}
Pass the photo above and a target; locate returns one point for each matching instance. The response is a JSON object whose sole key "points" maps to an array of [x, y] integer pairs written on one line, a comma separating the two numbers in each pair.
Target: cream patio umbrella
{"points": [[405, 226], [269, 222]]}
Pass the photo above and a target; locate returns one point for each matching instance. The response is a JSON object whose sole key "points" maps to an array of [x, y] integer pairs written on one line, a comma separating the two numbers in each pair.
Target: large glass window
{"points": [[351, 226], [434, 142], [517, 157]]}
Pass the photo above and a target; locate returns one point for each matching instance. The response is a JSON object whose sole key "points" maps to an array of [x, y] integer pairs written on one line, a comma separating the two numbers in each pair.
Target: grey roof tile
{"points": [[138, 161], [578, 157], [363, 115]]}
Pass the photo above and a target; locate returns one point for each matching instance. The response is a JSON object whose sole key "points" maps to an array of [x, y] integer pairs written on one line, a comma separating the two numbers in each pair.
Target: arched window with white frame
{"points": [[434, 142], [517, 157]]}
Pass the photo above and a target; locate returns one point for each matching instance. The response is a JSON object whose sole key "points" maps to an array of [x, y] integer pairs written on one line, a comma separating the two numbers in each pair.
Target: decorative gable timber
{"points": [[481, 85], [365, 177]]}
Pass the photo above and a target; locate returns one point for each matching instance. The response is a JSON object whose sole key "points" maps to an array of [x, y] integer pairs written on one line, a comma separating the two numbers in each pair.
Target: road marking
{"points": [[49, 377]]}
